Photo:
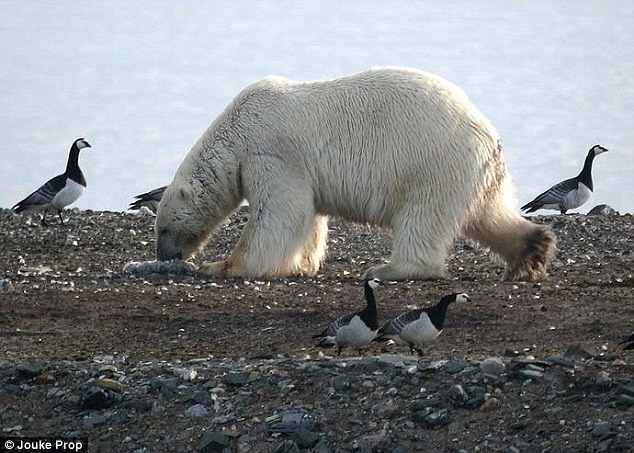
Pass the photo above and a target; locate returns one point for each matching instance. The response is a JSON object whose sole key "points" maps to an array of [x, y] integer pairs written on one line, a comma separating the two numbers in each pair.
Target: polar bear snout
{"points": [[166, 248]]}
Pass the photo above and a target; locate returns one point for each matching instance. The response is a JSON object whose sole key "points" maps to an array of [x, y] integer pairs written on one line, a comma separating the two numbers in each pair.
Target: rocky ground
{"points": [[181, 363]]}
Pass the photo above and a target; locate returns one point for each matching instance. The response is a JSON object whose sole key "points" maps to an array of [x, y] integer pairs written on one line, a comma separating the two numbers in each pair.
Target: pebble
{"points": [[95, 398], [601, 429], [489, 405], [492, 367], [454, 366], [576, 351], [6, 286], [90, 421], [197, 410], [109, 384], [436, 419], [562, 361], [30, 369], [213, 441], [236, 378], [602, 379], [531, 374], [287, 446], [457, 395]]}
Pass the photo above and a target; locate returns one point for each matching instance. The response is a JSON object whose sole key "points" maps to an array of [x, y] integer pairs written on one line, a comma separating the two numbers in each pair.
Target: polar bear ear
{"points": [[184, 194]]}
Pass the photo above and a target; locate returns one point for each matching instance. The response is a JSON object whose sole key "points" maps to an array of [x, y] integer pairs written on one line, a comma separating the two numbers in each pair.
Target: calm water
{"points": [[142, 80]]}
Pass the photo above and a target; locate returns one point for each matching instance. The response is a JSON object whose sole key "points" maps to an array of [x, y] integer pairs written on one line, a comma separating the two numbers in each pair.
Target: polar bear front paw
{"points": [[214, 269]]}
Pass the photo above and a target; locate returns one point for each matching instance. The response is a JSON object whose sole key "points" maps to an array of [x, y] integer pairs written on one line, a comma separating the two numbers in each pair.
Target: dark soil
{"points": [[69, 316]]}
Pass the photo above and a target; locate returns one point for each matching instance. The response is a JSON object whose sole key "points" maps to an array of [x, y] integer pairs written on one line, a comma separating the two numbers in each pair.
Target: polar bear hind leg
{"points": [[526, 247], [282, 237]]}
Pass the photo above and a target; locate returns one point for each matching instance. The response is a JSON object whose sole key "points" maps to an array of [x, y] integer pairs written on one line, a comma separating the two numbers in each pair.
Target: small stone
{"points": [[624, 400], [602, 379], [197, 410], [492, 367], [575, 351], [6, 286], [627, 389], [475, 402], [601, 429], [109, 384], [562, 361], [341, 383], [454, 366], [371, 442], [213, 441], [186, 374], [288, 446], [322, 447], [44, 378], [489, 405], [30, 369], [420, 404], [304, 438], [439, 418], [457, 395], [95, 398], [236, 378], [531, 374], [603, 209], [90, 421]]}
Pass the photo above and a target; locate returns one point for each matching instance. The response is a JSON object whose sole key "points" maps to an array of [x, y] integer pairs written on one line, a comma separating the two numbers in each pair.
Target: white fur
{"points": [[395, 147]]}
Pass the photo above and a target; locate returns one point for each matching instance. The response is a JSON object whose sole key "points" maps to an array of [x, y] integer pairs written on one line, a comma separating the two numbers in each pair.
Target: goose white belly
{"points": [[355, 334], [420, 331], [68, 195], [576, 198]]}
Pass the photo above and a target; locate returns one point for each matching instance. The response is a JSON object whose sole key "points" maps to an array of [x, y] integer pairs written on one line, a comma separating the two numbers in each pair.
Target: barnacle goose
{"points": [[60, 191], [355, 329], [419, 326], [149, 200], [571, 193]]}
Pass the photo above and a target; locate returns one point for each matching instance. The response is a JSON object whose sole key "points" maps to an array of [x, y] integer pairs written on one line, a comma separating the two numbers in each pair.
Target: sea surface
{"points": [[142, 80]]}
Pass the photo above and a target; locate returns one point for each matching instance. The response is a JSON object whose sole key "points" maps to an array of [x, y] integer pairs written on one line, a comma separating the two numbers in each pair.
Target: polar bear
{"points": [[390, 146]]}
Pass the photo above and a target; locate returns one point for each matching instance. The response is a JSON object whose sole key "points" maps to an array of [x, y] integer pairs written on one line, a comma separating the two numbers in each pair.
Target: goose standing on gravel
{"points": [[355, 329], [148, 200], [60, 191], [419, 326], [571, 193]]}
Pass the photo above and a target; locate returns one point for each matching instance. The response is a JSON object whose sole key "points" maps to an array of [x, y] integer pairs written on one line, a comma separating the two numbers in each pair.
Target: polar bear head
{"points": [[180, 231]]}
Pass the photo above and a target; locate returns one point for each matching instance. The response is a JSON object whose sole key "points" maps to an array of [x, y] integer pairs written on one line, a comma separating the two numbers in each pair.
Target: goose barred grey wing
{"points": [[396, 325], [554, 195], [334, 326], [149, 199], [42, 196]]}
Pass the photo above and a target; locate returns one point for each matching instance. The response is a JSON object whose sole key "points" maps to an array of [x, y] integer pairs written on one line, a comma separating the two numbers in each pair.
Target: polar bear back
{"points": [[366, 145]]}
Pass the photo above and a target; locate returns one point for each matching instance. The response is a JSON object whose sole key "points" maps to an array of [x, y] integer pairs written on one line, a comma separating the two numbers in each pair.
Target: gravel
{"points": [[147, 362]]}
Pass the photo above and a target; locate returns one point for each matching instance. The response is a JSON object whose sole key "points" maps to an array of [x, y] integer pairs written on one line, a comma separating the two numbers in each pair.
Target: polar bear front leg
{"points": [[283, 237]]}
